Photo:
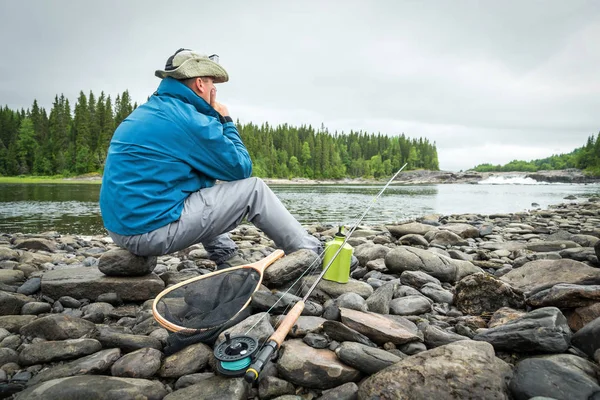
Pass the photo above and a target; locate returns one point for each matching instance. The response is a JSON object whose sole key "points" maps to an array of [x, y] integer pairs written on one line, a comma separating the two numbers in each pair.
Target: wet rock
{"points": [[587, 338], [472, 368], [143, 363], [120, 262], [410, 228], [290, 267], [341, 333], [559, 377], [379, 301], [380, 329], [566, 296], [542, 274], [92, 364], [271, 387], [366, 359], [543, 330], [95, 387], [187, 361], [58, 327], [43, 352], [216, 387], [89, 283], [313, 368], [484, 293], [410, 305]]}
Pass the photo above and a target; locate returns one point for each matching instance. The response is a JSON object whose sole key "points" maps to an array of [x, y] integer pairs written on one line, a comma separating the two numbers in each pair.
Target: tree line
{"points": [[73, 141], [586, 158]]}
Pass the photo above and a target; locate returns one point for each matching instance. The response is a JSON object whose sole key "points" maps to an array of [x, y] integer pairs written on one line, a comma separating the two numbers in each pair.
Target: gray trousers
{"points": [[210, 213]]}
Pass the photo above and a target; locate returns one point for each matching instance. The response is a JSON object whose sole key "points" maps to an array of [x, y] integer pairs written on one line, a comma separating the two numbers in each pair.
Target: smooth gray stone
{"points": [[216, 387], [435, 337], [587, 338], [340, 332], [271, 387], [35, 308], [551, 378], [437, 293], [44, 352], [187, 361], [31, 286], [58, 327], [110, 337], [143, 363], [289, 268], [96, 363], [95, 387], [316, 341], [89, 283], [120, 262], [417, 279], [352, 301], [347, 391], [410, 305], [543, 330], [379, 301], [368, 360], [12, 303]]}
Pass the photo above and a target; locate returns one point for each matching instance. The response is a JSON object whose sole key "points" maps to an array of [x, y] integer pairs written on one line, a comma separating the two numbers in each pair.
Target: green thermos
{"points": [[339, 270]]}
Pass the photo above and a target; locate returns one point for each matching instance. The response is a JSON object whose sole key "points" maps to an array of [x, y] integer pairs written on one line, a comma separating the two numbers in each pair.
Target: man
{"points": [[158, 191]]}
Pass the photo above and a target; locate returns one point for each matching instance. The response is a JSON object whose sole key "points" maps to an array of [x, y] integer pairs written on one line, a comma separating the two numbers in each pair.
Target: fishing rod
{"points": [[237, 353]]}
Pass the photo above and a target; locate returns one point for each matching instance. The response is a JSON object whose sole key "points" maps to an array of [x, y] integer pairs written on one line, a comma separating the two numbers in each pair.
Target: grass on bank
{"points": [[94, 178]]}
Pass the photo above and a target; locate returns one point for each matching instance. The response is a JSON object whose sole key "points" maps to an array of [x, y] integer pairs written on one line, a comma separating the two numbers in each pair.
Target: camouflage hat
{"points": [[186, 63]]}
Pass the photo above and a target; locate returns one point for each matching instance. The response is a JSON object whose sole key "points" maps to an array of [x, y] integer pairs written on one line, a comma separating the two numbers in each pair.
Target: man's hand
{"points": [[221, 108]]}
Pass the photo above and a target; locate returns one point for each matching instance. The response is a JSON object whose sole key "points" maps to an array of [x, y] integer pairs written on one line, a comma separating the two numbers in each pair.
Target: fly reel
{"points": [[235, 354]]}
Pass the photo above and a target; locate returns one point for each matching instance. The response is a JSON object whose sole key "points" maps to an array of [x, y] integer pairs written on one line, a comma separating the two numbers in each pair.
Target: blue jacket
{"points": [[166, 149]]}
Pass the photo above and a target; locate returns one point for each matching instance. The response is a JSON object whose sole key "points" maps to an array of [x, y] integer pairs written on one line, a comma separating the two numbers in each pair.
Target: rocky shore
{"points": [[503, 306]]}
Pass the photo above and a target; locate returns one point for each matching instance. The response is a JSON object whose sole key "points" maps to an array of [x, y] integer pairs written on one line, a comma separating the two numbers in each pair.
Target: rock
{"points": [[471, 367], [341, 333], [484, 293], [11, 277], [366, 359], [465, 231], [303, 326], [581, 316], [445, 239], [435, 337], [14, 323], [95, 363], [587, 338], [352, 301], [36, 244], [120, 262], [8, 356], [566, 295], [290, 267], [410, 305], [279, 302], [366, 252], [12, 303], [44, 352], [404, 258], [542, 274], [216, 387], [95, 387], [89, 283], [192, 379], [316, 340], [335, 289], [380, 329], [31, 286], [143, 363], [437, 293], [408, 228], [109, 337], [558, 377], [58, 327], [271, 387], [543, 330], [8, 254], [379, 301], [187, 361], [549, 245], [261, 328], [313, 368], [417, 279], [413, 240], [347, 391], [504, 315], [597, 249], [35, 308]]}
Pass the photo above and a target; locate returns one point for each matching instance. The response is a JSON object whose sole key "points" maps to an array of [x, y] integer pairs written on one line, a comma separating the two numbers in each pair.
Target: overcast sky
{"points": [[488, 81]]}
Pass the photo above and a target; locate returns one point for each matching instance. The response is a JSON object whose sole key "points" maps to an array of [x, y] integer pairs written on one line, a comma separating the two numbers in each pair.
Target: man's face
{"points": [[207, 89]]}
